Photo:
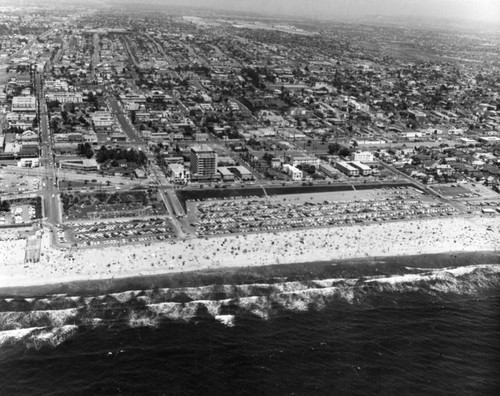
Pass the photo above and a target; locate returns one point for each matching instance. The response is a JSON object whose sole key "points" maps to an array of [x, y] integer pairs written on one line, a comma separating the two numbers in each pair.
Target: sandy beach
{"points": [[311, 245]]}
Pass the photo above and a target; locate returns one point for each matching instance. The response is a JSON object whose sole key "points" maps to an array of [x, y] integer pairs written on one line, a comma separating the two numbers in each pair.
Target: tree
{"points": [[89, 153], [142, 160], [267, 157], [4, 206], [344, 152], [102, 155], [333, 148], [80, 149]]}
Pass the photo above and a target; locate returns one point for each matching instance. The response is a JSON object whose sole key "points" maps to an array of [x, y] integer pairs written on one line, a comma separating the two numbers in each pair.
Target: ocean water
{"points": [[399, 327]]}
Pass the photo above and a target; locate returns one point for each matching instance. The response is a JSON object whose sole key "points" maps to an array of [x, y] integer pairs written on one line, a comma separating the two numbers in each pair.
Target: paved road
{"points": [[155, 172], [50, 193], [95, 55], [124, 120], [129, 51]]}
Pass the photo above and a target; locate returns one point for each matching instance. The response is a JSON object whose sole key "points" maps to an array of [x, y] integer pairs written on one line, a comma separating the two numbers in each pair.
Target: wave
{"points": [[53, 319], [38, 337], [56, 318]]}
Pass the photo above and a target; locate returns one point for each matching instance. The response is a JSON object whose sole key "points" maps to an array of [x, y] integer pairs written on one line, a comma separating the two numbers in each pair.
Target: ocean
{"points": [[401, 326]]}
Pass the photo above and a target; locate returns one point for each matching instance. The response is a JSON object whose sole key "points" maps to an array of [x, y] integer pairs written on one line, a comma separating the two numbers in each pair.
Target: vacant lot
{"points": [[133, 203]]}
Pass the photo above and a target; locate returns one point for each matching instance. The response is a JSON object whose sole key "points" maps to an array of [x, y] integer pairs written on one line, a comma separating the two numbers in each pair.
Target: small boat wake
{"points": [[51, 320]]}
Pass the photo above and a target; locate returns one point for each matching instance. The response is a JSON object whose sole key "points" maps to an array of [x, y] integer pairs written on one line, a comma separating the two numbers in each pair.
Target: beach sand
{"points": [[251, 250]]}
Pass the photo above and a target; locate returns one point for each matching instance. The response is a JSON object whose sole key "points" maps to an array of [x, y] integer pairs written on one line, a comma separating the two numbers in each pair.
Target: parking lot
{"points": [[15, 183], [308, 210]]}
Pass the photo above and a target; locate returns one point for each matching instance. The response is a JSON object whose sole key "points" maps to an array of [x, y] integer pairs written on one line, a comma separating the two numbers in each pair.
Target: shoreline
{"points": [[405, 238], [258, 274]]}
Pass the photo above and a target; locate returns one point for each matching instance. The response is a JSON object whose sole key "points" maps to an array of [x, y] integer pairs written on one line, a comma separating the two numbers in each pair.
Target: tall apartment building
{"points": [[203, 162]]}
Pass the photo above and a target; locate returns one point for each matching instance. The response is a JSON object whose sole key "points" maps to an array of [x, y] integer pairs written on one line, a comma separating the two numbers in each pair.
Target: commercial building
{"points": [[88, 165], [203, 162], [29, 163]]}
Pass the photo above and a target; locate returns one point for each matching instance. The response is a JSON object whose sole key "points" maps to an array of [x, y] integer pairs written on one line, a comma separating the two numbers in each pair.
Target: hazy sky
{"points": [[486, 10]]}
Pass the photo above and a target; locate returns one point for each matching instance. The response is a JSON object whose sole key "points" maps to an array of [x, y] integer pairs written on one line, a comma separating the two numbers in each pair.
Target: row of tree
{"points": [[336, 148], [84, 149], [117, 153]]}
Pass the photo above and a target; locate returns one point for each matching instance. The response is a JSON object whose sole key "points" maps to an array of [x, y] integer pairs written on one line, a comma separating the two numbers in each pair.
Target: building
{"points": [[276, 163], [347, 169], [140, 174], [242, 173], [88, 165], [304, 160], [102, 119], [29, 163], [328, 170], [363, 169], [177, 173], [293, 172], [488, 139], [225, 173], [64, 97], [201, 137], [203, 162], [362, 156], [23, 103]]}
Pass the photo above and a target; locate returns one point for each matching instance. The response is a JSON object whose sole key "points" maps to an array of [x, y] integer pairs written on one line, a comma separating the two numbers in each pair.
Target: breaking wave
{"points": [[38, 337], [51, 320]]}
